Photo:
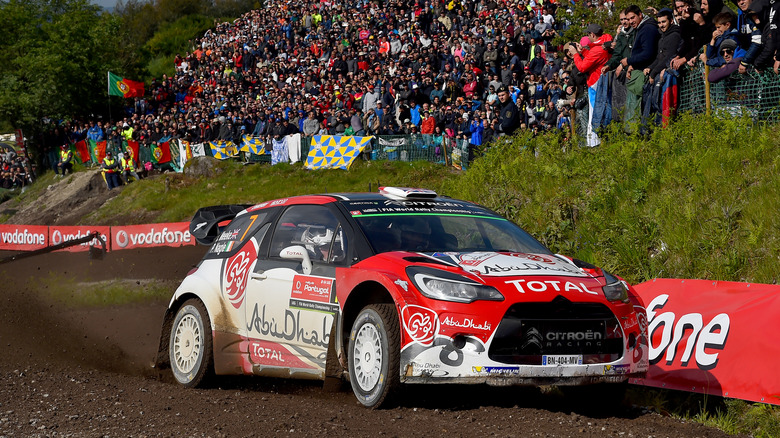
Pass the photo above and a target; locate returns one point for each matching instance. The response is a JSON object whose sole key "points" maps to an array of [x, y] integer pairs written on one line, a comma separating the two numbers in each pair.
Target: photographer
{"points": [[589, 61]]}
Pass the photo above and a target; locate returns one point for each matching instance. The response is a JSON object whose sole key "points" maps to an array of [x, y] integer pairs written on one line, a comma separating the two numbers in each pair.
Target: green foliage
{"points": [[690, 201], [175, 197], [78, 294], [174, 37], [53, 60]]}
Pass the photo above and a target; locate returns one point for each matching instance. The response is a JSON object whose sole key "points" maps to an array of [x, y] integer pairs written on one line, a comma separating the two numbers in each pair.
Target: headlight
{"points": [[445, 286], [615, 290]]}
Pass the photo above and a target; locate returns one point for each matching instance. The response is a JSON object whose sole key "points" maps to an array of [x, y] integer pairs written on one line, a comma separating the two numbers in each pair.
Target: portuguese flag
{"points": [[161, 153], [118, 86], [82, 151]]}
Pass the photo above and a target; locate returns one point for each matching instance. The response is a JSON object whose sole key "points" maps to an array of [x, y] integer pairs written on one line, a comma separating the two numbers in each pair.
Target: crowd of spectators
{"points": [[13, 171], [471, 70]]}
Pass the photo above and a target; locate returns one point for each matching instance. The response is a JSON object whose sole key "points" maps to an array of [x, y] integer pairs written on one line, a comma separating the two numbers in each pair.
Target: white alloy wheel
{"points": [[190, 345], [187, 343], [367, 357], [374, 355]]}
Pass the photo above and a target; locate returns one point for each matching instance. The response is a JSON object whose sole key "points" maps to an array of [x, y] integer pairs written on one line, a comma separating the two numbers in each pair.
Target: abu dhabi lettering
{"points": [[288, 328]]}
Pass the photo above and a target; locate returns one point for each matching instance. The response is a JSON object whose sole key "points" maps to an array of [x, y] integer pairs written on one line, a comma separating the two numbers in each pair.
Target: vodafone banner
{"points": [[713, 337], [23, 237], [148, 236], [60, 234]]}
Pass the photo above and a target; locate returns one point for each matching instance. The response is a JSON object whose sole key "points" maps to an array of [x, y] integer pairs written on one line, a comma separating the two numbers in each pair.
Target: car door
{"points": [[291, 300]]}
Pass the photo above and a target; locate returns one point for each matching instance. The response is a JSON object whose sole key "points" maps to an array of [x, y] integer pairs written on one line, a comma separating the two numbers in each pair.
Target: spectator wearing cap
{"points": [[731, 64], [589, 61], [66, 160], [509, 118], [111, 170]]}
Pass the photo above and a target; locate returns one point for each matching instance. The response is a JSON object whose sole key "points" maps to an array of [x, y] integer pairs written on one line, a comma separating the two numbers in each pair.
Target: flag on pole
{"points": [[119, 86]]}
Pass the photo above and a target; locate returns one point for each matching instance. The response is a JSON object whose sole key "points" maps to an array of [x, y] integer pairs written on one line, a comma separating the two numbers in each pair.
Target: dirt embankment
{"points": [[65, 202]]}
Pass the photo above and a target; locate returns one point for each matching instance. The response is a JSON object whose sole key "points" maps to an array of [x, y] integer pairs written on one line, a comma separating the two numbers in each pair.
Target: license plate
{"points": [[562, 359]]}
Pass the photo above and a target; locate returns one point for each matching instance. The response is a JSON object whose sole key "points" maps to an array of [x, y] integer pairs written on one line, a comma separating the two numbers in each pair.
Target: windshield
{"points": [[432, 232]]}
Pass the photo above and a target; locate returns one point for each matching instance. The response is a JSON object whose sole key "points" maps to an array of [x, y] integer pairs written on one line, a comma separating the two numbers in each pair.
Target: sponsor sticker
{"points": [[313, 293], [269, 353], [237, 269], [421, 323], [505, 371]]}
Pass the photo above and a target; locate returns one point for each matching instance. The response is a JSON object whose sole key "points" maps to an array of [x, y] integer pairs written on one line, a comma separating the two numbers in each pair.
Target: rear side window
{"points": [[236, 234]]}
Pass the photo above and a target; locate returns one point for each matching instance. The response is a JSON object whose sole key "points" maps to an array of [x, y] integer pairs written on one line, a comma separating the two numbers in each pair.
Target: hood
{"points": [[673, 29], [506, 264]]}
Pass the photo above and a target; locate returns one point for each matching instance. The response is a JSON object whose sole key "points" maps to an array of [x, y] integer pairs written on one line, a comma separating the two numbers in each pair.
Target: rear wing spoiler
{"points": [[204, 226]]}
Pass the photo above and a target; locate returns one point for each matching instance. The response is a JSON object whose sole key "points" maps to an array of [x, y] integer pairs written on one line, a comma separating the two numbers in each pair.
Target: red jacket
{"points": [[593, 60]]}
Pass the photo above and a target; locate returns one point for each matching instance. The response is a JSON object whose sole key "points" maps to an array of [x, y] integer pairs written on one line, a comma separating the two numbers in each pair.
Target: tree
{"points": [[53, 60]]}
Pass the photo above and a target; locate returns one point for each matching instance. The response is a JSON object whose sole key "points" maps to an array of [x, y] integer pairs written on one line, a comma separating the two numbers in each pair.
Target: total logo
{"points": [[544, 285]]}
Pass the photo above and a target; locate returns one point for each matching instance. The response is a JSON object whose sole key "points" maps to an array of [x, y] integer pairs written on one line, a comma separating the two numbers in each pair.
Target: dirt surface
{"points": [[63, 203], [71, 371]]}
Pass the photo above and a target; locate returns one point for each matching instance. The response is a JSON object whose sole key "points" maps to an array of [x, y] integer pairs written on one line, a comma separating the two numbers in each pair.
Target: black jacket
{"points": [[668, 46]]}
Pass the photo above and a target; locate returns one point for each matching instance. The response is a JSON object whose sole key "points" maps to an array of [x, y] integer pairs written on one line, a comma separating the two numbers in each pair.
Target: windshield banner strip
{"points": [[359, 215]]}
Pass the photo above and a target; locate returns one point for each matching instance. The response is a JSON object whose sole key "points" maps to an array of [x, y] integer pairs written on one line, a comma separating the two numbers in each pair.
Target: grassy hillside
{"points": [[176, 197], [697, 200]]}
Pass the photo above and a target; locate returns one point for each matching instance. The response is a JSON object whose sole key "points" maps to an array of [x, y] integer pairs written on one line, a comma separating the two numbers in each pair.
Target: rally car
{"points": [[397, 287]]}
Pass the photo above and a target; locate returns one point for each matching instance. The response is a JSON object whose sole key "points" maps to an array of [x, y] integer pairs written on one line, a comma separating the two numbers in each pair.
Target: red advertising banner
{"points": [[23, 237], [713, 337], [152, 235], [60, 234]]}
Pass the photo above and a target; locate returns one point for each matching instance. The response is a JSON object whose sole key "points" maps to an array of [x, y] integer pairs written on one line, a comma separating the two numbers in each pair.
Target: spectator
{"points": [[668, 45], [66, 160], [590, 60], [731, 64], [111, 171], [724, 30]]}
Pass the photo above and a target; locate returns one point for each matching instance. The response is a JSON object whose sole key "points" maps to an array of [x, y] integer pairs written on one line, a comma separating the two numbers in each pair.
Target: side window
{"points": [[315, 228]]}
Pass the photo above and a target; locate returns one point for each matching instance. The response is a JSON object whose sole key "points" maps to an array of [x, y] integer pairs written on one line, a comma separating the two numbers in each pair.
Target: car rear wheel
{"points": [[190, 347], [374, 357]]}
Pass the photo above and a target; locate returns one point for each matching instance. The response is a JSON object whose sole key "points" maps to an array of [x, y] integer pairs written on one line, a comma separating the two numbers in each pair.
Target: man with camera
{"points": [[589, 61]]}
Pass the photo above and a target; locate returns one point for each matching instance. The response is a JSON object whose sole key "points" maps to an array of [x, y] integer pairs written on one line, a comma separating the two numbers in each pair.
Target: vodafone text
{"points": [[24, 237], [123, 238], [712, 336], [544, 285]]}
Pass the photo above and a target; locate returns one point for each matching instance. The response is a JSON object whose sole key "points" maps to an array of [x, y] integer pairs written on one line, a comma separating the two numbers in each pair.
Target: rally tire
{"points": [[333, 371], [374, 356], [190, 347]]}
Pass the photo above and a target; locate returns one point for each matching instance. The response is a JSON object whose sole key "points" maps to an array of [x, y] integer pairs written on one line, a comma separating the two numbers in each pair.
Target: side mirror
{"points": [[297, 252]]}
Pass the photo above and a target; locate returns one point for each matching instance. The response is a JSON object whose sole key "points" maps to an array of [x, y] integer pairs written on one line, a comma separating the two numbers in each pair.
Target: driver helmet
{"points": [[317, 240]]}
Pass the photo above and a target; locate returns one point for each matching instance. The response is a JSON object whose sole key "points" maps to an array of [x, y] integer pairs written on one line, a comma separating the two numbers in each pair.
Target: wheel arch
{"points": [[162, 361], [368, 292]]}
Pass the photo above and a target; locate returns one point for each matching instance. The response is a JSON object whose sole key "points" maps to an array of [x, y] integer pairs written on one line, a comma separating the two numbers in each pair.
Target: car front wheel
{"points": [[374, 357], [190, 347]]}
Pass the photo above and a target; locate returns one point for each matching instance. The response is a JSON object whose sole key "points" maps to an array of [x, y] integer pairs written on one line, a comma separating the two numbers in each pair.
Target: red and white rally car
{"points": [[400, 286]]}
